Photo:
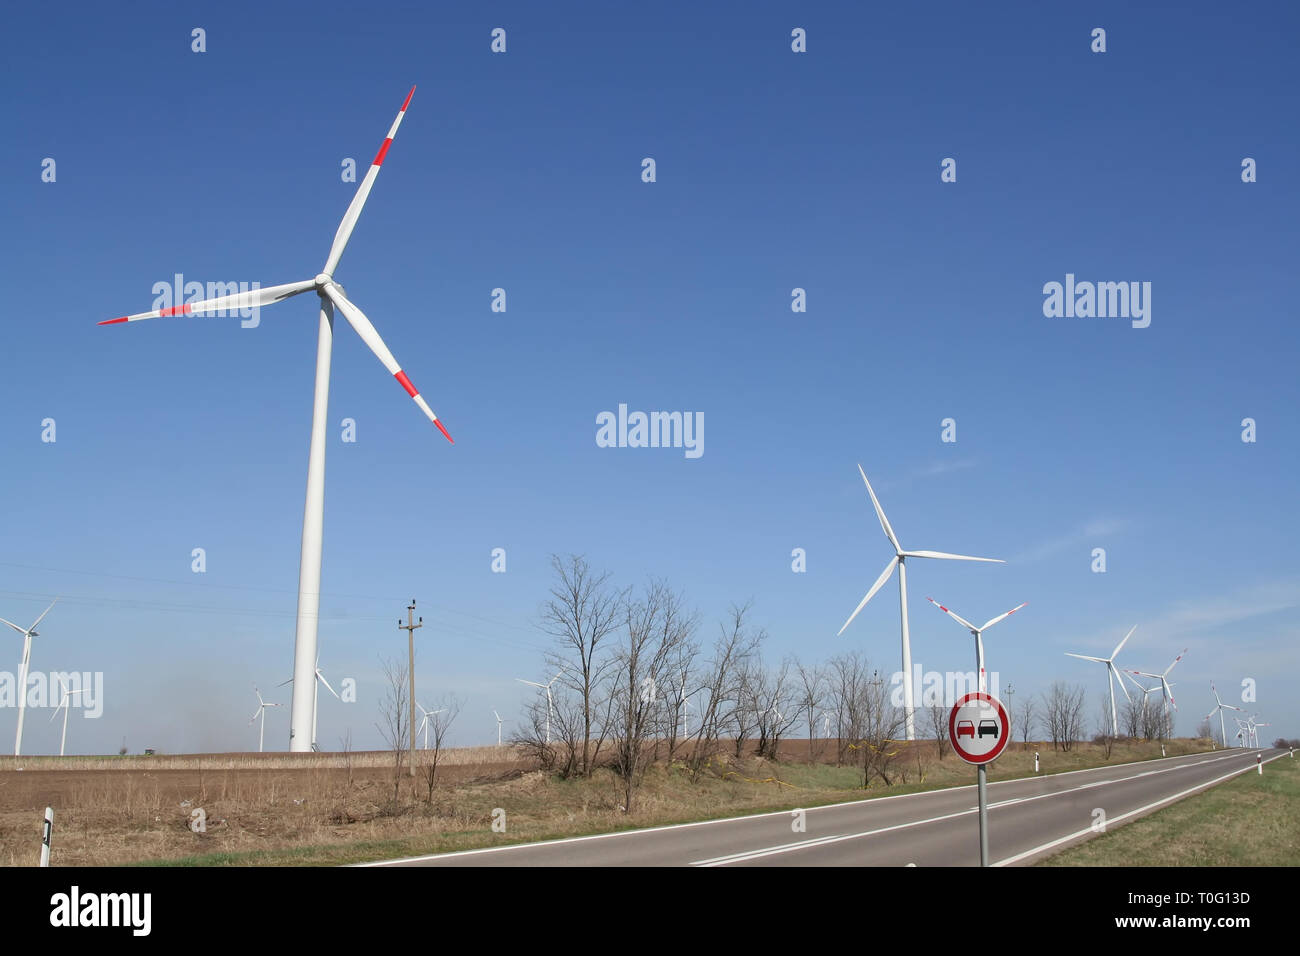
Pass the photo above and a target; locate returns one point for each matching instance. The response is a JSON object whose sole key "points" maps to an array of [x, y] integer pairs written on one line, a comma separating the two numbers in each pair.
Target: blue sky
{"points": [[522, 170]]}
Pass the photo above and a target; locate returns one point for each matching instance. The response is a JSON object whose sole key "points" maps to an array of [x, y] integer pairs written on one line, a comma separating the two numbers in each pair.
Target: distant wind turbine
{"points": [[547, 688], [1165, 686], [500, 721], [28, 633], [1111, 671], [1219, 708], [900, 561], [260, 712], [424, 724], [63, 702]]}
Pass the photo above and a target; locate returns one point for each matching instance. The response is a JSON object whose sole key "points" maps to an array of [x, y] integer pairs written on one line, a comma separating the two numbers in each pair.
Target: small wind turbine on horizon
{"points": [[977, 631], [63, 702], [500, 721], [260, 712], [900, 561], [424, 724], [547, 688], [331, 296], [1219, 708], [28, 633], [1111, 672]]}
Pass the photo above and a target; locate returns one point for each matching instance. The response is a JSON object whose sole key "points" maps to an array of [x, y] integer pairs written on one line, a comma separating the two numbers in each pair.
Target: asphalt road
{"points": [[1028, 819]]}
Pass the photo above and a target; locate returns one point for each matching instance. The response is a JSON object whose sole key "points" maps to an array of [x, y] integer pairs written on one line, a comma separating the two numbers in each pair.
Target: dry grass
{"points": [[252, 761]]}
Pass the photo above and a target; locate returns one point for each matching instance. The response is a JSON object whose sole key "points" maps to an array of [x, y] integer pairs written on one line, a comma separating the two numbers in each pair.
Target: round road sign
{"points": [[978, 728]]}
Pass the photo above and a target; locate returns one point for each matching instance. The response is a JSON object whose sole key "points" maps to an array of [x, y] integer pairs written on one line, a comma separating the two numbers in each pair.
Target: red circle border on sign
{"points": [[1002, 741]]}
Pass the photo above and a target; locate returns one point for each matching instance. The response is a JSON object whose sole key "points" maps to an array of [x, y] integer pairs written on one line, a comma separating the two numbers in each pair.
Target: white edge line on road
{"points": [[746, 855], [1124, 816], [752, 816]]}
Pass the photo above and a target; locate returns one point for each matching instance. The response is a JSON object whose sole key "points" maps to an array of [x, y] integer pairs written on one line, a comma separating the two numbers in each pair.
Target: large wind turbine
{"points": [[331, 296], [1111, 673], [63, 702], [977, 631], [320, 678], [899, 561], [28, 633], [1219, 708]]}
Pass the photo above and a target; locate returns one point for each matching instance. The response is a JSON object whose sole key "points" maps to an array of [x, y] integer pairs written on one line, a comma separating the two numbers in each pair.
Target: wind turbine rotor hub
{"points": [[323, 280]]}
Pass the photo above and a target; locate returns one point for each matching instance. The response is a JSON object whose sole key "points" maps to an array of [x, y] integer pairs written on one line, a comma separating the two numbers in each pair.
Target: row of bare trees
{"points": [[635, 682]]}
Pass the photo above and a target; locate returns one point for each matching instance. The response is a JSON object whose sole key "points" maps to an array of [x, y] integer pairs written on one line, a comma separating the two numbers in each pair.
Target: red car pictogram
{"points": [[965, 728]]}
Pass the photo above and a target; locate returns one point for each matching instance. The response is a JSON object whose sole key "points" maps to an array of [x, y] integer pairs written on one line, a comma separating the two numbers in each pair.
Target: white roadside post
{"points": [[1035, 761], [1259, 764], [48, 831], [982, 721]]}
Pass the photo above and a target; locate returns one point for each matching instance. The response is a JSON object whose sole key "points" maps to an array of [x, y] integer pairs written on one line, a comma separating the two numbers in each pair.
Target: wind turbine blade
{"points": [[1176, 660], [949, 557], [1085, 657], [1115, 652], [350, 217], [531, 683], [1122, 688], [880, 513], [1003, 617], [952, 614], [364, 328], [283, 682], [20, 630], [321, 678], [43, 613], [880, 582], [253, 298]]}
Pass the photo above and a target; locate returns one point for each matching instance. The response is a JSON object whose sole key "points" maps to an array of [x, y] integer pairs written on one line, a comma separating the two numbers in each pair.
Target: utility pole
{"points": [[410, 627]]}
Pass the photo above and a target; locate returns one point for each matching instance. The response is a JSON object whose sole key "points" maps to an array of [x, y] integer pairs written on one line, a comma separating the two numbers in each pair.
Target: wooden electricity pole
{"points": [[410, 628]]}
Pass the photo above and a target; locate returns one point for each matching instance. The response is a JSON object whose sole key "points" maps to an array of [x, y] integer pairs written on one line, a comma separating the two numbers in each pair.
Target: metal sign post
{"points": [[978, 728]]}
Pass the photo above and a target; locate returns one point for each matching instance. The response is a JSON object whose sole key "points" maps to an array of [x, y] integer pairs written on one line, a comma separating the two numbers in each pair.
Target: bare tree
{"points": [[810, 693], [440, 721], [938, 714], [736, 643], [1063, 714], [1203, 730], [883, 725], [394, 714], [774, 703], [584, 609], [1028, 716], [1130, 718], [655, 626], [846, 680]]}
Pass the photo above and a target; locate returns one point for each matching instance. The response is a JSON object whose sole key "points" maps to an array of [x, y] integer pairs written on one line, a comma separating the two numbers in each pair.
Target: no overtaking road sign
{"points": [[978, 728]]}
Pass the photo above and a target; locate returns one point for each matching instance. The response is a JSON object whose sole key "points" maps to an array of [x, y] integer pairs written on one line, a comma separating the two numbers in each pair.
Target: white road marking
{"points": [[759, 816], [746, 855], [1124, 816]]}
